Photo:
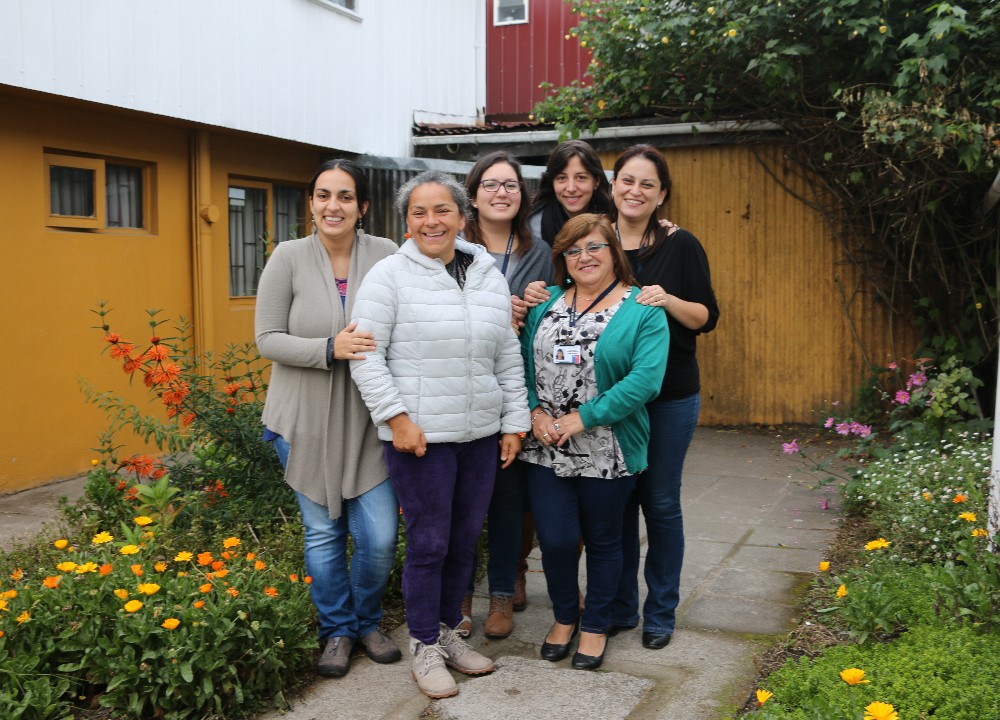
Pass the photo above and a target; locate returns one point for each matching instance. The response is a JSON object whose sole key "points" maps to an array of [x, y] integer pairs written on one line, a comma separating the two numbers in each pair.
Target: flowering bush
{"points": [[151, 631], [928, 672], [208, 426]]}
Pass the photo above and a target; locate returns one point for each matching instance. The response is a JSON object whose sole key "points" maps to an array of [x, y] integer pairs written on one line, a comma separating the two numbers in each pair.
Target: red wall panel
{"points": [[519, 57]]}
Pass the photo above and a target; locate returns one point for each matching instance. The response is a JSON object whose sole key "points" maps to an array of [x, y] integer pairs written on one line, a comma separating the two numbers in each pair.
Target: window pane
{"points": [[247, 239], [289, 204], [124, 193], [510, 11], [71, 191]]}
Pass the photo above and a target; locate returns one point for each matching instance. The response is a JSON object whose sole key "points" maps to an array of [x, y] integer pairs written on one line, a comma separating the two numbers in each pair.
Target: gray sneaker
{"points": [[379, 647], [336, 658], [460, 656], [429, 671]]}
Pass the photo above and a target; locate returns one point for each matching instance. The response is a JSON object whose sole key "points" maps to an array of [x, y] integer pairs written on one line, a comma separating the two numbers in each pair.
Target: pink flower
{"points": [[861, 430], [917, 379], [829, 422], [844, 428], [893, 366], [790, 448], [902, 397]]}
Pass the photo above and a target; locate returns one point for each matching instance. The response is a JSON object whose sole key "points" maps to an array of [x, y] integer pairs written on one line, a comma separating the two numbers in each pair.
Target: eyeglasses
{"points": [[592, 249], [511, 186]]}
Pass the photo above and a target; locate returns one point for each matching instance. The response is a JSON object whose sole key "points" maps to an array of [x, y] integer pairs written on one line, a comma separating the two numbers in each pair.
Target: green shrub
{"points": [[155, 630], [930, 672]]}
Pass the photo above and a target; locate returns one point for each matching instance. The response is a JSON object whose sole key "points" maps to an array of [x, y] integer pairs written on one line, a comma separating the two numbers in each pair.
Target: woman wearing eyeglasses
{"points": [[593, 359], [499, 222], [672, 268]]}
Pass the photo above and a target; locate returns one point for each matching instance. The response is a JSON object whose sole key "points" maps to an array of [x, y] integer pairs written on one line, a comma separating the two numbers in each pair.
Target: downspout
{"points": [[993, 506], [204, 216], [992, 195]]}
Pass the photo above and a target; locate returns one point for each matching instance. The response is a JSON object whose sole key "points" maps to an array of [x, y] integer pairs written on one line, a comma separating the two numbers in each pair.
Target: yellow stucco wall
{"points": [[52, 279]]}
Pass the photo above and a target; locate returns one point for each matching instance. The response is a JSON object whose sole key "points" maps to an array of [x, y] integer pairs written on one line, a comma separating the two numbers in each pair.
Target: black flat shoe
{"points": [[615, 629], [655, 641], [589, 662], [554, 652]]}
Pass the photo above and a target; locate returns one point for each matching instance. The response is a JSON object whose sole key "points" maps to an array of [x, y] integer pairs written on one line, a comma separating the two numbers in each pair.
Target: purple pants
{"points": [[444, 497]]}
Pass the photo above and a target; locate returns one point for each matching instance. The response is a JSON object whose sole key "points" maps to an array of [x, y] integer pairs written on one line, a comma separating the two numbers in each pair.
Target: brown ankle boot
{"points": [[520, 600], [464, 628], [500, 621]]}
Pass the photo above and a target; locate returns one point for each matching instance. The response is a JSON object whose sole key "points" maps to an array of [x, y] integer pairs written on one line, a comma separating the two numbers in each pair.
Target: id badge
{"points": [[566, 354]]}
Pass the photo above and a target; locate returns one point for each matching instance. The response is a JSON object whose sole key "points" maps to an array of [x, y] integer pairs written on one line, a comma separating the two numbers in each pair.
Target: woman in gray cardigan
{"points": [[318, 422]]}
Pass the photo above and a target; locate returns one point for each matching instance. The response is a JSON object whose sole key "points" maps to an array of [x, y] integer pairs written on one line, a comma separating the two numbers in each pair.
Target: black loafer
{"points": [[589, 662], [615, 629], [554, 652], [655, 641]]}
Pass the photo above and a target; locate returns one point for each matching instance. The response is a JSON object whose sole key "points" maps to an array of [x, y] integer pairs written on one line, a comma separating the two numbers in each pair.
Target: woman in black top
{"points": [[671, 267]]}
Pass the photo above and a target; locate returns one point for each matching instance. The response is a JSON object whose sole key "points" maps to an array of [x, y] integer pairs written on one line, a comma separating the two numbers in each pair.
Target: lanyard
{"points": [[506, 257], [573, 314]]}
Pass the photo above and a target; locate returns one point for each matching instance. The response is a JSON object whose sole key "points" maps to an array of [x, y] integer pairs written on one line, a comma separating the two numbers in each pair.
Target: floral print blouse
{"points": [[564, 387]]}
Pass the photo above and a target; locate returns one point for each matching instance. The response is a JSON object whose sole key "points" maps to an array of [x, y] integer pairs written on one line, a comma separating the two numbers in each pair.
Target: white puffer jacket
{"points": [[446, 356]]}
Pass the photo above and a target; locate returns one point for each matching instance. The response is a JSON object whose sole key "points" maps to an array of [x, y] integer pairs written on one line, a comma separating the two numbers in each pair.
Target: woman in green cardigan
{"points": [[593, 358]]}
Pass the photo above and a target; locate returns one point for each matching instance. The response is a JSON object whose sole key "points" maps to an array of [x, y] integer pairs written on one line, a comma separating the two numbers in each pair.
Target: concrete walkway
{"points": [[755, 534]]}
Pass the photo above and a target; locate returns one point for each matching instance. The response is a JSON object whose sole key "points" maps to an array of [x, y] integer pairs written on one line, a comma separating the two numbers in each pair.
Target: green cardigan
{"points": [[629, 361]]}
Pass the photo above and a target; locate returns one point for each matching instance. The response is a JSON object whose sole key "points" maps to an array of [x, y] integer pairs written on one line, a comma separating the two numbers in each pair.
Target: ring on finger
{"points": [[558, 429]]}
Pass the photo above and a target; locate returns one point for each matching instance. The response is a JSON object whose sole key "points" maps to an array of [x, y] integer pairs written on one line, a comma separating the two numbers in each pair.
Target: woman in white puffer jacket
{"points": [[445, 387]]}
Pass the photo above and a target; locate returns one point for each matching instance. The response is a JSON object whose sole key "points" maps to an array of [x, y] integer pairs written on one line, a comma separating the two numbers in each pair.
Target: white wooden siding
{"points": [[290, 69]]}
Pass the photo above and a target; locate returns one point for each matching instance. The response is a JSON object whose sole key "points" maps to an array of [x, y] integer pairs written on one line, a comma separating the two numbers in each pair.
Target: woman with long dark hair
{"points": [[500, 207], [317, 421], [671, 267]]}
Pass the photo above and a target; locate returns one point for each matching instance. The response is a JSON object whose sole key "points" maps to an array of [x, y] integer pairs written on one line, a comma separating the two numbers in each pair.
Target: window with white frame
{"points": [[350, 6], [510, 12], [254, 229], [95, 193]]}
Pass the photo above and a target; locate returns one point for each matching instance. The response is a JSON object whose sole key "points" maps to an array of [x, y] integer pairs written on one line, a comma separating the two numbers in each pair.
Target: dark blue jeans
{"points": [[444, 496], [565, 510], [507, 509], [658, 493]]}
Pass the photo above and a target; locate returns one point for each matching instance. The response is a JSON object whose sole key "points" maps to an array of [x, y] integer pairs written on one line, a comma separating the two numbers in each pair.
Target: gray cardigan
{"points": [[335, 451]]}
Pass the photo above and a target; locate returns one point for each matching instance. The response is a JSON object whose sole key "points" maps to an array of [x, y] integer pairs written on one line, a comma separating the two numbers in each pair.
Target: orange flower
{"points": [[61, 544], [142, 520], [959, 498], [170, 623], [52, 582], [222, 573], [17, 574], [136, 570], [199, 604], [1, 633], [271, 591], [308, 580], [23, 617], [160, 566], [122, 350], [188, 419], [233, 592], [842, 591], [121, 594], [8, 594], [148, 588], [293, 577], [231, 542], [227, 555], [218, 565], [251, 555], [207, 587], [205, 558], [853, 676], [133, 606], [105, 569], [763, 696], [259, 565], [157, 352], [824, 566]]}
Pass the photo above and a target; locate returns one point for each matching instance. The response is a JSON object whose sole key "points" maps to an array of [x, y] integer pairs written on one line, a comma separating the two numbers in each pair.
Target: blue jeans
{"points": [[658, 493], [444, 496], [507, 508], [348, 602], [565, 510]]}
